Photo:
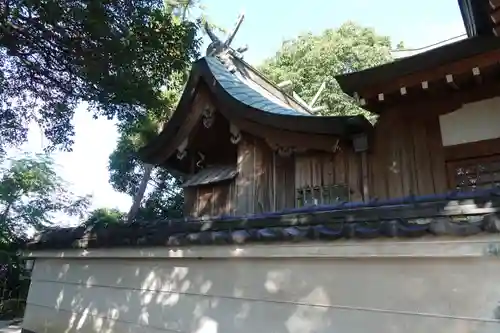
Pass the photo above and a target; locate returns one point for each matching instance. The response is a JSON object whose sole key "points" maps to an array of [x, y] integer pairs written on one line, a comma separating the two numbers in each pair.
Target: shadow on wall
{"points": [[275, 295], [250, 295]]}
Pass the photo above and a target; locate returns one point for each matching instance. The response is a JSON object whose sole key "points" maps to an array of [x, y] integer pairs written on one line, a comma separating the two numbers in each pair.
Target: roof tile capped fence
{"points": [[456, 213]]}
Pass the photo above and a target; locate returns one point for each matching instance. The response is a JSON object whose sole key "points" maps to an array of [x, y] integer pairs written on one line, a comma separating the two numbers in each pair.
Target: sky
{"points": [[267, 24]]}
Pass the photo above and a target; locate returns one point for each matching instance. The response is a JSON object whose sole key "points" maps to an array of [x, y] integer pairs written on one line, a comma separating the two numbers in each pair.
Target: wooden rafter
{"points": [[496, 30], [434, 74], [455, 98], [495, 16], [494, 4]]}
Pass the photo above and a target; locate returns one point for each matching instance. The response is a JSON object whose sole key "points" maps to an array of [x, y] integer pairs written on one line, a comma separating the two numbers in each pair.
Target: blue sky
{"points": [[266, 25]]}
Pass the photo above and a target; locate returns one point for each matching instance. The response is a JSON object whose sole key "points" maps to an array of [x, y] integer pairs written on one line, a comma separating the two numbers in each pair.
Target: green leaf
{"points": [[115, 55], [30, 193], [309, 60]]}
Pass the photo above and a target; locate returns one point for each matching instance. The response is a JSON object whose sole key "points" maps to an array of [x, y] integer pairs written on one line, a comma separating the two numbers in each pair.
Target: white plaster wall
{"points": [[280, 295], [472, 122]]}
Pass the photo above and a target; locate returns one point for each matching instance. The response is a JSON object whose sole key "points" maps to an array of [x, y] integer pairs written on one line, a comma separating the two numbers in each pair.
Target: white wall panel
{"points": [[265, 295], [472, 122]]}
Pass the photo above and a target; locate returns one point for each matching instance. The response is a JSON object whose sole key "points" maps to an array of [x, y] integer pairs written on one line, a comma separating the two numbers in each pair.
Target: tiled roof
{"points": [[210, 175], [244, 93], [248, 92], [458, 214]]}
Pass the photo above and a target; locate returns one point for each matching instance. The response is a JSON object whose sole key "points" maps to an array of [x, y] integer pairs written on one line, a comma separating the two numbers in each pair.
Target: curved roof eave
{"points": [[244, 102]]}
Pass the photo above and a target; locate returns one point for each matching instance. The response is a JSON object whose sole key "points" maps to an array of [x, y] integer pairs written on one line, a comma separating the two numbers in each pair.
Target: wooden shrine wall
{"points": [[255, 179], [407, 155], [210, 200], [269, 182]]}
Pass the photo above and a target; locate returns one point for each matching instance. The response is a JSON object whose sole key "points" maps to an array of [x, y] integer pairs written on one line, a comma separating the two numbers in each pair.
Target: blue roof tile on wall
{"points": [[381, 218], [244, 93]]}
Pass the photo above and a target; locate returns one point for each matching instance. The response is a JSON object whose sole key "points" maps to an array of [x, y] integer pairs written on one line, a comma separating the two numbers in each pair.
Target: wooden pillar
{"points": [[360, 145], [364, 174]]}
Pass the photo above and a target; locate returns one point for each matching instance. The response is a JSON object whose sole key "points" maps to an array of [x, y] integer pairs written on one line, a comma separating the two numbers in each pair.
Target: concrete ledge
{"points": [[431, 247]]}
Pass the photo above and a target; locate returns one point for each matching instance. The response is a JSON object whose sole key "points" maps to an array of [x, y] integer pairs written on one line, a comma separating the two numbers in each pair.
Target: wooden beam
{"points": [[450, 81], [495, 16], [443, 102], [496, 31], [476, 72], [432, 74], [472, 150], [187, 126], [494, 4], [287, 138], [365, 178], [359, 100]]}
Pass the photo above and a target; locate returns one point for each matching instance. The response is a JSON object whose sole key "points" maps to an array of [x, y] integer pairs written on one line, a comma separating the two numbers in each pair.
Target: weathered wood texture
{"points": [[321, 169], [210, 200], [284, 182], [255, 179], [407, 156], [268, 182], [473, 165]]}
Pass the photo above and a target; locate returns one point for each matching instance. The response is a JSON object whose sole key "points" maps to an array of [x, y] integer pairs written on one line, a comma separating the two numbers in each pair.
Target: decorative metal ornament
{"points": [[181, 154], [208, 117], [235, 134], [199, 163], [285, 151]]}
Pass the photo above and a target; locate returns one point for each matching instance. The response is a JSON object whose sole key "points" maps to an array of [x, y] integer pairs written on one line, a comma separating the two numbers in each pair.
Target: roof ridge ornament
{"points": [[219, 48], [288, 85]]}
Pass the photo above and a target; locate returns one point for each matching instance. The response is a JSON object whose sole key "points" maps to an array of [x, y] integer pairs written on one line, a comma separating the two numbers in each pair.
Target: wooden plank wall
{"points": [[284, 186], [321, 169], [407, 156], [210, 200], [255, 180], [267, 182]]}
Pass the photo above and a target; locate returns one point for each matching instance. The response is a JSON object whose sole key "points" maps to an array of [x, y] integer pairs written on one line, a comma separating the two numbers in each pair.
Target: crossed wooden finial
{"points": [[217, 46]]}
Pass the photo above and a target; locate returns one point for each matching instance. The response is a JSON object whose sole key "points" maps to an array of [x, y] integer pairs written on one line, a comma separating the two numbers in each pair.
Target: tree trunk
{"points": [[139, 195]]}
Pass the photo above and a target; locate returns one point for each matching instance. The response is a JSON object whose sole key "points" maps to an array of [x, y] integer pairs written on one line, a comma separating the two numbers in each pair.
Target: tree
{"points": [[116, 55], [31, 193], [131, 176], [127, 173], [310, 60], [103, 217]]}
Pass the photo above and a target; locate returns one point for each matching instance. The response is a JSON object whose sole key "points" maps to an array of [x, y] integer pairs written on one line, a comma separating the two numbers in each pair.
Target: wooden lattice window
{"points": [[473, 174], [321, 195]]}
